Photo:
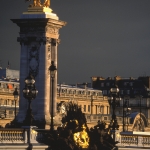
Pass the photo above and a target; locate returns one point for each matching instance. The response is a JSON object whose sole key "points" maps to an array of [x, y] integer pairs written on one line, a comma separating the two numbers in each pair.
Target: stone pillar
{"points": [[39, 31]]}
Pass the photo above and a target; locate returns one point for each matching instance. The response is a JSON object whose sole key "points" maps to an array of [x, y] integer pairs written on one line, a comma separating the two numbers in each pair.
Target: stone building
{"points": [[9, 74], [7, 103], [134, 93], [92, 102]]}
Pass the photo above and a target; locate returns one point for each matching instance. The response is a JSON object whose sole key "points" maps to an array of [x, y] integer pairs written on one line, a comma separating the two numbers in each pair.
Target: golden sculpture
{"points": [[82, 138], [37, 3]]}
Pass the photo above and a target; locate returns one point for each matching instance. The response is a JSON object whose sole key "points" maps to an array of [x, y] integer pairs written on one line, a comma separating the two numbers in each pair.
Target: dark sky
{"points": [[102, 37]]}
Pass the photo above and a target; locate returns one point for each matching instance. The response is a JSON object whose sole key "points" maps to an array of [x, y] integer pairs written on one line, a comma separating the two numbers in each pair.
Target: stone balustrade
{"points": [[23, 135], [12, 136], [133, 139], [31, 136], [28, 137]]}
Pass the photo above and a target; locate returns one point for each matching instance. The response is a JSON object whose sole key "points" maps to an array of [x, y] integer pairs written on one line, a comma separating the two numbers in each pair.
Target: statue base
{"points": [[39, 12], [39, 9]]}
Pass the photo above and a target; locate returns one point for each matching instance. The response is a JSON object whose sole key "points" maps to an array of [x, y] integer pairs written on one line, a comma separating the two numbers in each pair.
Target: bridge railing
{"points": [[12, 135], [133, 139], [22, 135], [33, 135]]}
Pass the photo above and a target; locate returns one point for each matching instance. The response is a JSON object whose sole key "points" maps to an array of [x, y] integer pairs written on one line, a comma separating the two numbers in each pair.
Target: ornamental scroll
{"points": [[37, 3]]}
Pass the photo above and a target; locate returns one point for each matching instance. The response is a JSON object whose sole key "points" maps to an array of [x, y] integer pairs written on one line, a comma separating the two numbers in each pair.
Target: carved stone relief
{"points": [[34, 59], [52, 30], [49, 52], [34, 44]]}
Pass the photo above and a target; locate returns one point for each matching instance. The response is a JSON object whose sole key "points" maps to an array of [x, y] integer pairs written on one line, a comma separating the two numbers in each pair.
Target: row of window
{"points": [[97, 117], [105, 92], [81, 92], [125, 84], [87, 108], [8, 102]]}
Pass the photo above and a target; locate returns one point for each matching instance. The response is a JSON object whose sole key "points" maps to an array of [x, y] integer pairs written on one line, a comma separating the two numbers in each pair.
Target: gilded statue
{"points": [[37, 3], [82, 138]]}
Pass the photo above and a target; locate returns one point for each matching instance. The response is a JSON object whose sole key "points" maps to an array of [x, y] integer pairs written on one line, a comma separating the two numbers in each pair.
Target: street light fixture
{"points": [[53, 70], [124, 109], [29, 93], [16, 95], [126, 112], [114, 101]]}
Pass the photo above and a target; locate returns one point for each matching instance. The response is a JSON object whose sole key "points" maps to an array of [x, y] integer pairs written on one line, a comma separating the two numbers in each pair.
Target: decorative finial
{"points": [[37, 3]]}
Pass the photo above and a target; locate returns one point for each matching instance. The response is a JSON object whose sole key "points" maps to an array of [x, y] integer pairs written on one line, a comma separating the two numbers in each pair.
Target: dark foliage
{"points": [[74, 118], [100, 139]]}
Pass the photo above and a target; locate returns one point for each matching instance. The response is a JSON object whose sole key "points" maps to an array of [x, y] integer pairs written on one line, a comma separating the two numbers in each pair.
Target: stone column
{"points": [[39, 29], [2, 102]]}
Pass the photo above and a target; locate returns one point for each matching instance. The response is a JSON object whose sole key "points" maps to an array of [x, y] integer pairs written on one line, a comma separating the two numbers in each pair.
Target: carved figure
{"points": [[38, 3]]}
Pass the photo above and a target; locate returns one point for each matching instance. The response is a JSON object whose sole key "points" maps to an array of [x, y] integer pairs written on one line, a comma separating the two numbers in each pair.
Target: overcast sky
{"points": [[101, 38]]}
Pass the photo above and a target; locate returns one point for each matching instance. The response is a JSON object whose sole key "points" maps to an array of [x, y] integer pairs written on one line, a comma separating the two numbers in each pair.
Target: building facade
{"points": [[134, 93], [92, 102], [7, 102], [7, 74]]}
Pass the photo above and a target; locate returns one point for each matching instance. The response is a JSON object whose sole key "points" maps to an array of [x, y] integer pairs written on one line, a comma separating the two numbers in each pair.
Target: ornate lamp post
{"points": [[53, 70], [114, 101], [141, 129], [124, 111], [29, 93], [16, 95]]}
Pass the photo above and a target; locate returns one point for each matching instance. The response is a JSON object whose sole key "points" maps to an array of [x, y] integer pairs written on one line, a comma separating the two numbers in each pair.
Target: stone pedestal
{"points": [[39, 37]]}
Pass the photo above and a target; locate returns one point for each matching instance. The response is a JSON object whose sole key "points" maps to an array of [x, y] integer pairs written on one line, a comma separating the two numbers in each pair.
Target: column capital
{"points": [[55, 41]]}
